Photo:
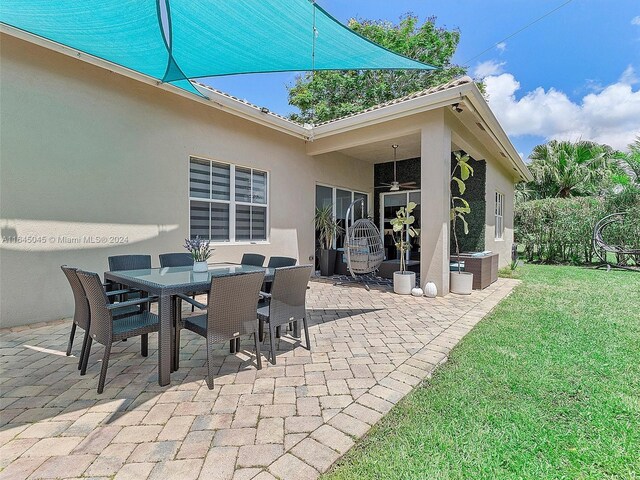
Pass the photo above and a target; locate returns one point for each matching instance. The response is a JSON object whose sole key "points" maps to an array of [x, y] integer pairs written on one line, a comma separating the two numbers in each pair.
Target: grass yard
{"points": [[548, 386]]}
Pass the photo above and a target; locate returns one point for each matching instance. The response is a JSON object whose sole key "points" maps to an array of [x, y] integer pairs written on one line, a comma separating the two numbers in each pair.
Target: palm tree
{"points": [[629, 163], [567, 169]]}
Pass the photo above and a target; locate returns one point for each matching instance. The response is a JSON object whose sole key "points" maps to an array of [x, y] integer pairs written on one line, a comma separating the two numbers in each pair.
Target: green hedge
{"points": [[475, 195], [559, 230]]}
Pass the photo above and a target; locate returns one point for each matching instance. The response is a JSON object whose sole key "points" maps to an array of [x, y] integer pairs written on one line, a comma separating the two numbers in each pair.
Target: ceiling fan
{"points": [[395, 185]]}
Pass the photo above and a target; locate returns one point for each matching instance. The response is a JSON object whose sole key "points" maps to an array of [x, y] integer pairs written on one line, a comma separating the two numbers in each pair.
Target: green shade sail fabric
{"points": [[178, 40]]}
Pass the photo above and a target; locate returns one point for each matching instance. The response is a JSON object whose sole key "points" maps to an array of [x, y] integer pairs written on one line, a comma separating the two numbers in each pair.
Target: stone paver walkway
{"points": [[292, 420]]}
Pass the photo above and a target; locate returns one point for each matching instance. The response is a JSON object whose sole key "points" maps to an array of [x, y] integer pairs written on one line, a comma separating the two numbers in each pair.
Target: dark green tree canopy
{"points": [[333, 94]]}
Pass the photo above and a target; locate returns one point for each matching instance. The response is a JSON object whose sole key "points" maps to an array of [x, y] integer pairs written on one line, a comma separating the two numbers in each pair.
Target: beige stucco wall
{"points": [[85, 152], [499, 180]]}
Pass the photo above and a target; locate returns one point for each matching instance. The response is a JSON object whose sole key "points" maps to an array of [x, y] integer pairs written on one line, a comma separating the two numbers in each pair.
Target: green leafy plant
{"points": [[326, 226], [403, 224], [459, 206]]}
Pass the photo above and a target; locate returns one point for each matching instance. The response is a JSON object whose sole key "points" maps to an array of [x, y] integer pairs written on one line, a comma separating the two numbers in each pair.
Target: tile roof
{"points": [[456, 82], [245, 102]]}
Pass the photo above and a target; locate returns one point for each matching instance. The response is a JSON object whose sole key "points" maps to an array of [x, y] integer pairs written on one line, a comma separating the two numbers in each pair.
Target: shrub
{"points": [[559, 230]]}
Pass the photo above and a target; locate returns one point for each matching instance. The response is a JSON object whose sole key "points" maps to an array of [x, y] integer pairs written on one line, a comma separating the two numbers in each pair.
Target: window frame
{"points": [[498, 213], [232, 202], [334, 191]]}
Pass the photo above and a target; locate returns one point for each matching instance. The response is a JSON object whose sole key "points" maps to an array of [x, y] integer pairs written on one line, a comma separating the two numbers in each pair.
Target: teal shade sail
{"points": [[178, 40]]}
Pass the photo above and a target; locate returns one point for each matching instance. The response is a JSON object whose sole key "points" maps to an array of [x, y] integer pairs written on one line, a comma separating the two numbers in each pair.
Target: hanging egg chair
{"points": [[363, 245]]}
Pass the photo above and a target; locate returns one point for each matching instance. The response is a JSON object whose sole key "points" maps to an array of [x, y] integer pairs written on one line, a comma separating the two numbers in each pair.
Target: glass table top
{"points": [[169, 276]]}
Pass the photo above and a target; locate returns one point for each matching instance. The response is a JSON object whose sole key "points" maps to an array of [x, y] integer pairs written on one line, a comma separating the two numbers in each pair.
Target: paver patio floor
{"points": [[290, 421]]}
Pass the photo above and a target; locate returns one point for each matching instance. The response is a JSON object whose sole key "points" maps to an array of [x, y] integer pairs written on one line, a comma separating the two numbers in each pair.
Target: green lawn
{"points": [[547, 386]]}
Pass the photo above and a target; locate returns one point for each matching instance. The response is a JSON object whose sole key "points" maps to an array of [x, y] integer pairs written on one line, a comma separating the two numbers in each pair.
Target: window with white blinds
{"points": [[499, 216], [227, 203]]}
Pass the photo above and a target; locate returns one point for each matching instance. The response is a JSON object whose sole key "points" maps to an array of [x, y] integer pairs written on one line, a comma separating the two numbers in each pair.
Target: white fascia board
{"points": [[390, 112], [495, 130], [214, 99]]}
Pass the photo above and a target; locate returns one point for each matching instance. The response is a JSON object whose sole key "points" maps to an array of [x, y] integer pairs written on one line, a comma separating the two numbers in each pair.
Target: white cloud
{"points": [[490, 67], [610, 116], [629, 76], [502, 46], [635, 20]]}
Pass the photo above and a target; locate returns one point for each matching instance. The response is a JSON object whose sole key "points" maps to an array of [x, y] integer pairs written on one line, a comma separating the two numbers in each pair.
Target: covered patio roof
{"points": [[175, 41]]}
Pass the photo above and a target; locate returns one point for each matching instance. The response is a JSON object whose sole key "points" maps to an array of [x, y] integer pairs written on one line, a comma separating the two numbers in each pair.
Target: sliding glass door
{"points": [[390, 203], [340, 199]]}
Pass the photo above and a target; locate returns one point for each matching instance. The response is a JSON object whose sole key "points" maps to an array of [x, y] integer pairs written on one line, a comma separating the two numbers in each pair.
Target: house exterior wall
{"points": [[499, 180], [86, 154]]}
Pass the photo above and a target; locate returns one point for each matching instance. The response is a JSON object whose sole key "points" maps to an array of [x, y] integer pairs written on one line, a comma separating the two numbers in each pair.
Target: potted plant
{"points": [[327, 229], [200, 250], [404, 281], [460, 282]]}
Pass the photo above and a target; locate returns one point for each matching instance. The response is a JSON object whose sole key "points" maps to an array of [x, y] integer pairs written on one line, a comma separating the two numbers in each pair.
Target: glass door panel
{"points": [[391, 203]]}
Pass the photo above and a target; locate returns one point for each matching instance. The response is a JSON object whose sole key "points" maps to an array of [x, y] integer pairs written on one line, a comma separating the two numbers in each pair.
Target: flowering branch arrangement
{"points": [[199, 249]]}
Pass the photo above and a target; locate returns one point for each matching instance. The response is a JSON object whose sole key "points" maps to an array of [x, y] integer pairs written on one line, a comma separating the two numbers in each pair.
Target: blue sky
{"points": [[574, 74]]}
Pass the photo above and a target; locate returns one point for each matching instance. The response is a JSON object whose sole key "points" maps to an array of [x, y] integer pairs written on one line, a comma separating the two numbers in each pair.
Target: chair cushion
{"points": [[134, 325], [197, 324], [263, 311]]}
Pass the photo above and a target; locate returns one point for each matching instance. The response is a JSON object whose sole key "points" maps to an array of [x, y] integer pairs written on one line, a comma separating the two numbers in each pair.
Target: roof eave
{"points": [[388, 112], [425, 103], [496, 131]]}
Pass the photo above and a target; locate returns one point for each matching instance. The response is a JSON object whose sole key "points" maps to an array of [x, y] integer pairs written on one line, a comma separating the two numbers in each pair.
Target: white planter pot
{"points": [[403, 282], [200, 267], [430, 290], [461, 283]]}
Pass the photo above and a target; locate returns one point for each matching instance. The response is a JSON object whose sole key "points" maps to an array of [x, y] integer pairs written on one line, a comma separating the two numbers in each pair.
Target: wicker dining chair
{"points": [[176, 260], [106, 328], [279, 262], [81, 316], [286, 303], [129, 262], [254, 259], [230, 314]]}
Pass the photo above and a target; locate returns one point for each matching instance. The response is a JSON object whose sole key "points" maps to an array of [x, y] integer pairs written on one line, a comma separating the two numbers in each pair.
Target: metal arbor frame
{"points": [[622, 253]]}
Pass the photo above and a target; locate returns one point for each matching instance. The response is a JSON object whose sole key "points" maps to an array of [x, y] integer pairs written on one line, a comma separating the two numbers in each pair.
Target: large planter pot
{"points": [[327, 262], [200, 267], [460, 282], [404, 282]]}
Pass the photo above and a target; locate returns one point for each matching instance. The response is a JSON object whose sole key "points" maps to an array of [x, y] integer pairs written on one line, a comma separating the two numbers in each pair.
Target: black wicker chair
{"points": [[279, 262], [176, 260], [286, 303], [254, 259], [105, 328], [231, 313], [129, 262], [81, 313]]}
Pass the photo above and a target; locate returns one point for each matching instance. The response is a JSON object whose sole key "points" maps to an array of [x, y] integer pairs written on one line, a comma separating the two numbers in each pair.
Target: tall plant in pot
{"points": [[404, 281], [327, 229], [460, 282]]}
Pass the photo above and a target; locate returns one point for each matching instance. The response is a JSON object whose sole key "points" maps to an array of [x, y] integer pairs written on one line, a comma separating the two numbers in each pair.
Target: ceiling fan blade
{"points": [[408, 184]]}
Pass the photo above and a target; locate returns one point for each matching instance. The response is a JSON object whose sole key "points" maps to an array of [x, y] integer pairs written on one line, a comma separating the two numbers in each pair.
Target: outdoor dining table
{"points": [[166, 283]]}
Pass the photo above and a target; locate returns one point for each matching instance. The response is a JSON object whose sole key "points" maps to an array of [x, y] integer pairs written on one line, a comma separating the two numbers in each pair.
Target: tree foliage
{"points": [[326, 95]]}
